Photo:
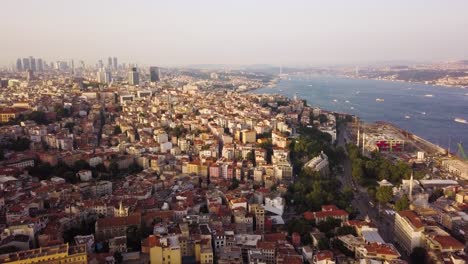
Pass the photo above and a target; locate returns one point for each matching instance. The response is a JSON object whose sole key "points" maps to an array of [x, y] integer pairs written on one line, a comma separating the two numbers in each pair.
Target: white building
{"points": [[319, 164], [409, 230]]}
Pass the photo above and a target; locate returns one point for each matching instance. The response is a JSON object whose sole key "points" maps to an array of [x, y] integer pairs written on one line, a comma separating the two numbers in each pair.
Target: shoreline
{"points": [[436, 147], [404, 81]]}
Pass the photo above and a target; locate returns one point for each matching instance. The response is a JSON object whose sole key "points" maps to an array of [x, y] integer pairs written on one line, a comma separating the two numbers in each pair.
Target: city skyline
{"points": [[241, 33]]}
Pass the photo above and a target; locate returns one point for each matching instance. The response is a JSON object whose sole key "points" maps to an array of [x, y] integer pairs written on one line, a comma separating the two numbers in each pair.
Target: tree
{"points": [[250, 157], [329, 224], [234, 184], [384, 194], [346, 230], [402, 203], [324, 243], [118, 257], [117, 130], [419, 256], [114, 168]]}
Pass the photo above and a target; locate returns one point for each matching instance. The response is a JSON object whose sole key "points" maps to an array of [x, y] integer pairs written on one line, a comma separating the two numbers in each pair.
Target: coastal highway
{"points": [[362, 202]]}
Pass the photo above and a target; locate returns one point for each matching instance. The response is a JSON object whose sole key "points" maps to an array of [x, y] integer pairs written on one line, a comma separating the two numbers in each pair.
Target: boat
{"points": [[352, 108], [429, 95], [423, 113], [310, 85], [379, 100], [460, 120], [407, 116], [347, 101], [334, 100]]}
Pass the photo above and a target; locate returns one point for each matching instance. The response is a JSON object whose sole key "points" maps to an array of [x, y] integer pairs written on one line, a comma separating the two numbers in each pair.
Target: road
{"points": [[362, 202]]}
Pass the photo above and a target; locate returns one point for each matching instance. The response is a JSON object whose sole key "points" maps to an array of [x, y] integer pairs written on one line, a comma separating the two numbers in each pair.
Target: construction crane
{"points": [[461, 152]]}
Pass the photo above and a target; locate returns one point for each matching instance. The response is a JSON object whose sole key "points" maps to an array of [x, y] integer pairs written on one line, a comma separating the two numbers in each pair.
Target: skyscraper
{"points": [[109, 63], [104, 76], [154, 74], [26, 64], [40, 65], [133, 77], [19, 65], [116, 65], [30, 75], [32, 63], [100, 64]]}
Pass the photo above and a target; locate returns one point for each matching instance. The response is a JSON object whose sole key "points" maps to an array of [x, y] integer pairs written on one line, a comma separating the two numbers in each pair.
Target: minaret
{"points": [[363, 142], [358, 131], [121, 209], [410, 196]]}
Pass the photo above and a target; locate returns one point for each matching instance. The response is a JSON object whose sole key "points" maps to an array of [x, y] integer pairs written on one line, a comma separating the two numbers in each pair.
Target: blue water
{"points": [[400, 99]]}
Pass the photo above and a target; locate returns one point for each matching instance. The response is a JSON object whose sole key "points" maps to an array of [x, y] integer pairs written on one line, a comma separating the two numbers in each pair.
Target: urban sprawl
{"points": [[115, 163]]}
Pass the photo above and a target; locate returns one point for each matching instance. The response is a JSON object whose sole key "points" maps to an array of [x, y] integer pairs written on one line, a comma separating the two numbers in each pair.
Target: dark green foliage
{"points": [[384, 194], [328, 225], [324, 243], [311, 190], [367, 171], [234, 184], [419, 256], [402, 203], [300, 226], [177, 131], [268, 147], [134, 236], [117, 130], [19, 144], [346, 230], [337, 244]]}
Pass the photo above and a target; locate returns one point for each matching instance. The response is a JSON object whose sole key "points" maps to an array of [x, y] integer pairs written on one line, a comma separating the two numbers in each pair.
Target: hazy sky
{"points": [[177, 32]]}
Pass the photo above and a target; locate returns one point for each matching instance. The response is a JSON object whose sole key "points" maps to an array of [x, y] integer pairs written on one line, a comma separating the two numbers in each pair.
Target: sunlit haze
{"points": [[235, 32]]}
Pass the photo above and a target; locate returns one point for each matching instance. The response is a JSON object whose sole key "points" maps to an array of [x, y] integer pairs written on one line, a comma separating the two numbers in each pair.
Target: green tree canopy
{"points": [[384, 194], [402, 204]]}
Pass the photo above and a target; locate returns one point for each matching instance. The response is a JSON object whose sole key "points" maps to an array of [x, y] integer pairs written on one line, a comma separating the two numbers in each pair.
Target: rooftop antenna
{"points": [[358, 132], [411, 187], [363, 142]]}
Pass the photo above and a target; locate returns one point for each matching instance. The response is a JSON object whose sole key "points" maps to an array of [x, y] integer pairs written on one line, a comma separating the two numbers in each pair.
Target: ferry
{"points": [[334, 100], [407, 116], [423, 113], [347, 101], [352, 108], [429, 95], [379, 100], [310, 85], [460, 120]]}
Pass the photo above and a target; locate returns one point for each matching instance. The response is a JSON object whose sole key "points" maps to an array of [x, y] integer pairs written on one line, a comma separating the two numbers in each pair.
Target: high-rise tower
{"points": [[133, 76], [154, 74]]}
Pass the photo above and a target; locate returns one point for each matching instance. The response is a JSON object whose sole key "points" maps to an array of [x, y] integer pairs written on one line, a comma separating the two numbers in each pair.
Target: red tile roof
{"points": [[323, 255], [412, 217], [448, 242]]}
